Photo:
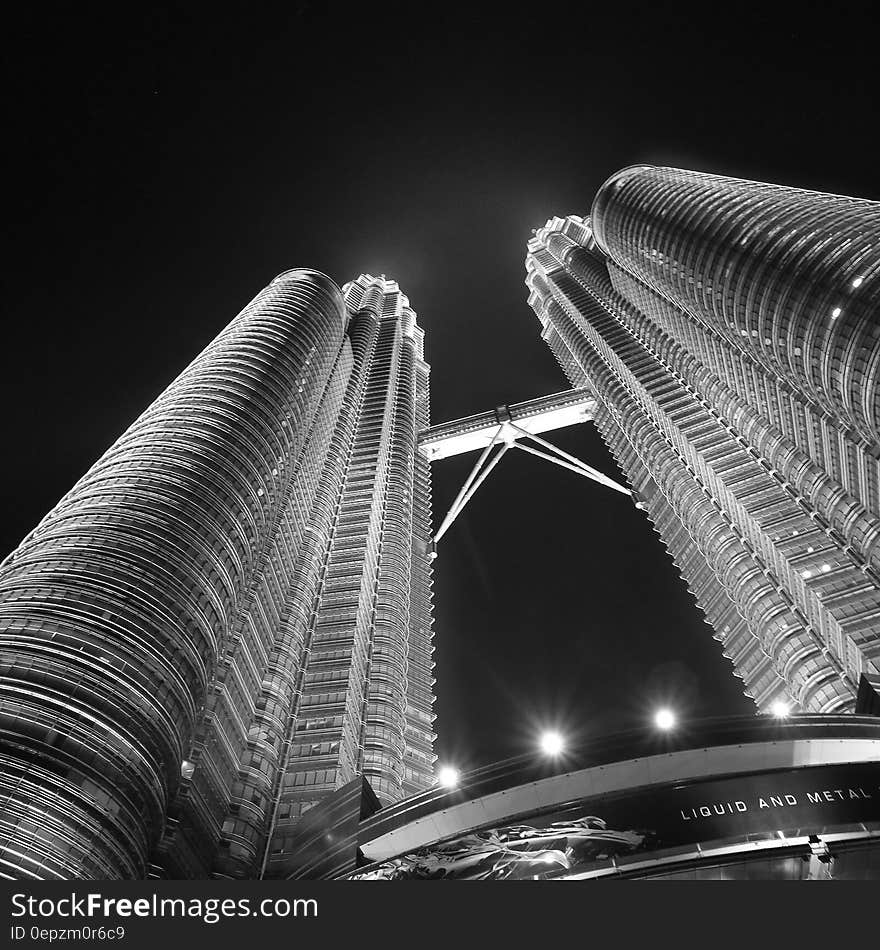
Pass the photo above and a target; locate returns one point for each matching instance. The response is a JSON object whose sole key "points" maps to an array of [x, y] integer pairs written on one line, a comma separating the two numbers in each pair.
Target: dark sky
{"points": [[166, 165]]}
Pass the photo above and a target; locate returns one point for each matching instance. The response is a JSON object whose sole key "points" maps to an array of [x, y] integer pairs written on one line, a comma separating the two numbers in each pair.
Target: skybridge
{"points": [[517, 426]]}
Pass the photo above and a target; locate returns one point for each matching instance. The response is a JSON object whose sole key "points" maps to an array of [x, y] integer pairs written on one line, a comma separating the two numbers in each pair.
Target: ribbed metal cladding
{"points": [[115, 610], [365, 704], [220, 819], [788, 276], [419, 755], [779, 550]]}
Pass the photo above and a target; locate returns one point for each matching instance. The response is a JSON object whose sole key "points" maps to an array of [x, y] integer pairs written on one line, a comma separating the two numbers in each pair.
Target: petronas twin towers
{"points": [[730, 331], [228, 617]]}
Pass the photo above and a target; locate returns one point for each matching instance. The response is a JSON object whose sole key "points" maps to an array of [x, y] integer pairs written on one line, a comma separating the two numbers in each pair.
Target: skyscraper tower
{"points": [[228, 617], [730, 332]]}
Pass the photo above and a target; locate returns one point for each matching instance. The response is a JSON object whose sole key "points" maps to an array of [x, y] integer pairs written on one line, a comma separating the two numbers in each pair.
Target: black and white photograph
{"points": [[440, 443]]}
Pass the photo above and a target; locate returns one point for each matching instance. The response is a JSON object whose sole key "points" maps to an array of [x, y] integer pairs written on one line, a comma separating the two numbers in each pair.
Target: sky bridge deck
{"points": [[534, 416]]}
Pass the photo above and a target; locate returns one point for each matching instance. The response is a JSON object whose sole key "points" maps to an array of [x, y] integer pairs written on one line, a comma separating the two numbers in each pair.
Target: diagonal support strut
{"points": [[560, 457], [509, 435], [466, 496]]}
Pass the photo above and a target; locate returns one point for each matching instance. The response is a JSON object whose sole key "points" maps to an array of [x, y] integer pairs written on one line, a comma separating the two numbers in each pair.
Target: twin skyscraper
{"points": [[228, 617], [730, 331]]}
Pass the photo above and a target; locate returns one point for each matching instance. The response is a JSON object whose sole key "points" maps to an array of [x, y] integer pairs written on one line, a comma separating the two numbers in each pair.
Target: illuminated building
{"points": [[228, 617], [729, 333], [217, 646], [744, 798]]}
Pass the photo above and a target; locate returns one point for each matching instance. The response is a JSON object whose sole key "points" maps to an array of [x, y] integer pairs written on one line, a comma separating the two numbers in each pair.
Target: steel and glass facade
{"points": [[729, 331], [228, 616]]}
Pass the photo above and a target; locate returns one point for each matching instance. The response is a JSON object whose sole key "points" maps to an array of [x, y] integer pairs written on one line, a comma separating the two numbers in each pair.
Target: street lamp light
{"points": [[448, 776], [664, 719], [552, 743]]}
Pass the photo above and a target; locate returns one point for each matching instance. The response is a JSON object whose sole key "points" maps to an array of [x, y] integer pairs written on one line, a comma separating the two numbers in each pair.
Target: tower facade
{"points": [[730, 332], [228, 616]]}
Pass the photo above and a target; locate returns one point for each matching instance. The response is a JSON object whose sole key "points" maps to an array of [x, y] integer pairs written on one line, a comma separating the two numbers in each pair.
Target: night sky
{"points": [[167, 165]]}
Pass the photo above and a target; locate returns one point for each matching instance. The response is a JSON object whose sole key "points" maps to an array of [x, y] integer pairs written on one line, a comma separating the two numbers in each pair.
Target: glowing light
{"points": [[552, 743], [448, 776], [835, 313], [780, 709], [807, 574], [858, 282], [826, 568], [664, 719]]}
